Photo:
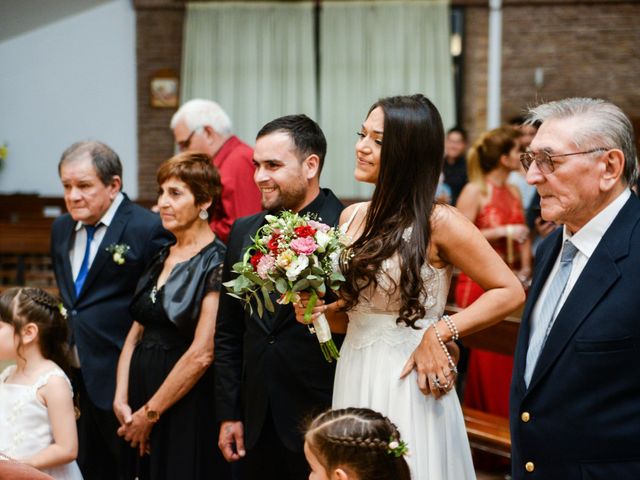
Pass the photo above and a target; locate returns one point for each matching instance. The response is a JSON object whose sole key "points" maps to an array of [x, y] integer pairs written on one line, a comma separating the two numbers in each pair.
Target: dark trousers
{"points": [[270, 459], [102, 455]]}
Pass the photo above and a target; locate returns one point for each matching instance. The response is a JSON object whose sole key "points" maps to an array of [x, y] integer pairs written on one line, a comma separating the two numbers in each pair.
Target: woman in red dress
{"points": [[496, 209]]}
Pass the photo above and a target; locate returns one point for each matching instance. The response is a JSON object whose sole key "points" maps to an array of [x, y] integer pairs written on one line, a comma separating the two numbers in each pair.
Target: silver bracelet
{"points": [[455, 334], [452, 365]]}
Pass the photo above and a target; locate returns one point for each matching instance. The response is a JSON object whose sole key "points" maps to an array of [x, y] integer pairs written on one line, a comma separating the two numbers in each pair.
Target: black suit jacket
{"points": [[583, 402], [99, 317], [271, 362]]}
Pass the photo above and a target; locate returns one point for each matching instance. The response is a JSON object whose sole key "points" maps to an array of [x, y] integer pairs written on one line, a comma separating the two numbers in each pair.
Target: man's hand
{"points": [[231, 440]]}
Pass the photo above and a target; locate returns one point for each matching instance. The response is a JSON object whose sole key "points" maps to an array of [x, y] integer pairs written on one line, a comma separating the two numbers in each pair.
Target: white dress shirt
{"points": [[78, 246], [585, 240]]}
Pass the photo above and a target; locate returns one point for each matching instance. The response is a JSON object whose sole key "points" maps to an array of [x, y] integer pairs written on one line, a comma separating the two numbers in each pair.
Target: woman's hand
{"points": [[137, 432], [435, 375], [123, 411], [301, 306]]}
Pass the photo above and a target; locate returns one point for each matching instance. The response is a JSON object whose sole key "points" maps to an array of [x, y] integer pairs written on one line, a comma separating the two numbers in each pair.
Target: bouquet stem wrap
{"points": [[322, 330]]}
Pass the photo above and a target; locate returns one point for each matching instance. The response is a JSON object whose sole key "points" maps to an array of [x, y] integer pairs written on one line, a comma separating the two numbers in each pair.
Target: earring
{"points": [[203, 214]]}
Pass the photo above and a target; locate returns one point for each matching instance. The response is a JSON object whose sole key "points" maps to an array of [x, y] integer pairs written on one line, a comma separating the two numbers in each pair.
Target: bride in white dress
{"points": [[394, 358]]}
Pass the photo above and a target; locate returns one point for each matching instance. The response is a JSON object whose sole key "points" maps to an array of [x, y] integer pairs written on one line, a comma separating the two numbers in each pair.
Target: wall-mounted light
{"points": [[456, 45], [538, 77]]}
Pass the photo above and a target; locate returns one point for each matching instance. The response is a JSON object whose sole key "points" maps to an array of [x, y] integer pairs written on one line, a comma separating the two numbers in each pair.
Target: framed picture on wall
{"points": [[164, 89]]}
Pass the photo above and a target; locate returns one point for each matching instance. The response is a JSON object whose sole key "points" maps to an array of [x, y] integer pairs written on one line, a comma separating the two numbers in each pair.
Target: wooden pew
{"points": [[488, 432], [24, 253]]}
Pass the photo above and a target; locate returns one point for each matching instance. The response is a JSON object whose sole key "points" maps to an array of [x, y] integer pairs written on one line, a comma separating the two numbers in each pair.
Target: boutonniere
{"points": [[118, 252]]}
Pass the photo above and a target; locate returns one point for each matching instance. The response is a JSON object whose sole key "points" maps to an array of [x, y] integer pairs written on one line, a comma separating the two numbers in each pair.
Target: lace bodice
{"points": [[374, 317]]}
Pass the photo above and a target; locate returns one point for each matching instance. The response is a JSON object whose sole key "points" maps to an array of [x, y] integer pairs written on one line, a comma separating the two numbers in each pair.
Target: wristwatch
{"points": [[152, 415]]}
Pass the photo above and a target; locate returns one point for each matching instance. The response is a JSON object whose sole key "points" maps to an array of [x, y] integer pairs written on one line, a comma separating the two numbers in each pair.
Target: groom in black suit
{"points": [[270, 372], [96, 286]]}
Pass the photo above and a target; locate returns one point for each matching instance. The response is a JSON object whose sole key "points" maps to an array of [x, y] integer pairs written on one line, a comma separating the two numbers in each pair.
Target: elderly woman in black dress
{"points": [[164, 393]]}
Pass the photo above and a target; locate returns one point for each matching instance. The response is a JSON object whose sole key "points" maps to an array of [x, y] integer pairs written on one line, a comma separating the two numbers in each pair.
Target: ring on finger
{"points": [[436, 383]]}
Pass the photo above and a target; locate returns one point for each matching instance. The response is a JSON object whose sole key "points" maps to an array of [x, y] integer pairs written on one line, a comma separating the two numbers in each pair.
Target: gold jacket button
{"points": [[525, 417], [529, 467]]}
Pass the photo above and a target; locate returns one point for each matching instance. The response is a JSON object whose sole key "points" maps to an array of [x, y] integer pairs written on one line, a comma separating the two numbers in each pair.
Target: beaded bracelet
{"points": [[444, 348], [455, 334]]}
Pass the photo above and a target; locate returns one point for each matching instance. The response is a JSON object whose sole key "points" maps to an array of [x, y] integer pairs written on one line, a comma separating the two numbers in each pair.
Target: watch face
{"points": [[152, 415]]}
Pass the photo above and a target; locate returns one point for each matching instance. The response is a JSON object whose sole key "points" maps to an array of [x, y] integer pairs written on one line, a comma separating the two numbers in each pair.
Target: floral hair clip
{"points": [[397, 448], [118, 250]]}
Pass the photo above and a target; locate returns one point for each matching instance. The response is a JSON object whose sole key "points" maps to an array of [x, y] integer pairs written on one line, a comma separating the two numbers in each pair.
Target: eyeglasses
{"points": [[544, 161], [184, 144]]}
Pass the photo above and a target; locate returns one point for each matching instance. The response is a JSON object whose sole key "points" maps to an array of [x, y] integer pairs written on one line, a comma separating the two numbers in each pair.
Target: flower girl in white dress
{"points": [[37, 419], [395, 358]]}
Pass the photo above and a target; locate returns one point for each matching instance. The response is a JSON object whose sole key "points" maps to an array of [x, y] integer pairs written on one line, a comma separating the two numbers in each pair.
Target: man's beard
{"points": [[291, 199]]}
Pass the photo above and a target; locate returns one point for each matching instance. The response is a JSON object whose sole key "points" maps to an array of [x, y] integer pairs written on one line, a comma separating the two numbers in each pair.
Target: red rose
{"points": [[305, 231], [255, 258], [273, 243]]}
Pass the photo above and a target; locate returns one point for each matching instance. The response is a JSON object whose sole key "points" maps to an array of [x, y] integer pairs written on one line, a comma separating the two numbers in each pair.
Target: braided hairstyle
{"points": [[357, 440], [21, 306]]}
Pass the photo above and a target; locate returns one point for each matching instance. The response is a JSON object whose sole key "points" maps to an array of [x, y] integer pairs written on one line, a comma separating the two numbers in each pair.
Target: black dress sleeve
{"points": [[213, 281]]}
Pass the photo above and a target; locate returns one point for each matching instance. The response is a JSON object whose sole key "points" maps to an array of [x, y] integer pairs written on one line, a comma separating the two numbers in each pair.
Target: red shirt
{"points": [[240, 195]]}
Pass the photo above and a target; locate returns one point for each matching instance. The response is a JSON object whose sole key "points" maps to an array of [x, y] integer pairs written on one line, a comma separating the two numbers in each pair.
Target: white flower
{"points": [[295, 267], [335, 260], [270, 218], [393, 445], [118, 252], [322, 239]]}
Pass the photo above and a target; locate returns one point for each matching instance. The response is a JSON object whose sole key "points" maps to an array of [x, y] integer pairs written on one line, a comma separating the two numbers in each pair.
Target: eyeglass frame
{"points": [[186, 143], [549, 159]]}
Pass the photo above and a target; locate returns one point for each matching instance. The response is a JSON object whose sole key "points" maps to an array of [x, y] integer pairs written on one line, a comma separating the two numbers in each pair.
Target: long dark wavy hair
{"points": [[410, 163]]}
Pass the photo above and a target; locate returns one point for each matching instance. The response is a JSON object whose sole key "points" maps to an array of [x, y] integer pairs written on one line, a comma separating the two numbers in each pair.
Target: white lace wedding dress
{"points": [[368, 375]]}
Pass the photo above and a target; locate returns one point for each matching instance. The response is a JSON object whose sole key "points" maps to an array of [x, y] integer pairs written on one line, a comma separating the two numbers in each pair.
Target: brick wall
{"points": [[585, 49], [159, 47]]}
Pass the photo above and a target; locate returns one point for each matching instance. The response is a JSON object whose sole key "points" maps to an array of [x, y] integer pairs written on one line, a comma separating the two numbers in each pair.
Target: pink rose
{"points": [[323, 227], [265, 265], [304, 246]]}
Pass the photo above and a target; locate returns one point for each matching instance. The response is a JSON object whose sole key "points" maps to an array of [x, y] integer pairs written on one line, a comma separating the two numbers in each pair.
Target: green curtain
{"points": [[258, 61], [255, 59], [376, 49]]}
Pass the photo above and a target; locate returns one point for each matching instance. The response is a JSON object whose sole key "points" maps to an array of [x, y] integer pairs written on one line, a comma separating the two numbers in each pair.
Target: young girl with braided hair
{"points": [[355, 444], [37, 419]]}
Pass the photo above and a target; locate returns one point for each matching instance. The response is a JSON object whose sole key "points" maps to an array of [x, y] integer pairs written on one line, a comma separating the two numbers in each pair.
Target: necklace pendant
{"points": [[152, 295]]}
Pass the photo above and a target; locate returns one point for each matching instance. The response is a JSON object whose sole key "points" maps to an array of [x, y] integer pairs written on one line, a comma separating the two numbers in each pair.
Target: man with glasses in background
{"points": [[202, 126], [575, 394]]}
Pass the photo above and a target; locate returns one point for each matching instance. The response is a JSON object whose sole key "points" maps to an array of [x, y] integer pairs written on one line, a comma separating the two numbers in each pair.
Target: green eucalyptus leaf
{"points": [[300, 285]]}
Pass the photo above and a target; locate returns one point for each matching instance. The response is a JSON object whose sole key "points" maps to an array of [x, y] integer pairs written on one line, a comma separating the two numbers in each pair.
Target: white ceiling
{"points": [[20, 16]]}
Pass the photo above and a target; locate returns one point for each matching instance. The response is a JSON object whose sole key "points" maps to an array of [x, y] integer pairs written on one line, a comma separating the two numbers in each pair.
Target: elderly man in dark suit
{"points": [[99, 250], [575, 395], [270, 373]]}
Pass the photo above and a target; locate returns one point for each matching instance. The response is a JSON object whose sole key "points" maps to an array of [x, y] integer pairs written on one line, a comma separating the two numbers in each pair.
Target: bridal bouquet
{"points": [[291, 254]]}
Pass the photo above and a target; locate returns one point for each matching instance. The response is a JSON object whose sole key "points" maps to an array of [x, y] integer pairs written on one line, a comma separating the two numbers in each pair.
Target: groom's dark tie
{"points": [[84, 268]]}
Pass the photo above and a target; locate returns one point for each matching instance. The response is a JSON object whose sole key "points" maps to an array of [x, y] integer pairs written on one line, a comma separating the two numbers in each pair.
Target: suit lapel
{"points": [[67, 273], [111, 236], [597, 278], [266, 321]]}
